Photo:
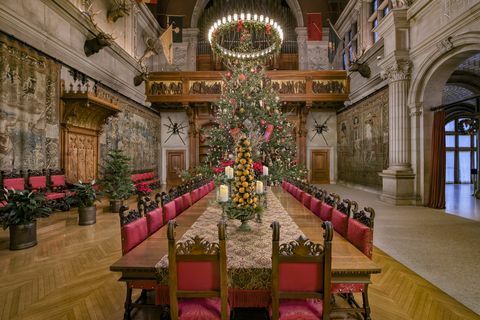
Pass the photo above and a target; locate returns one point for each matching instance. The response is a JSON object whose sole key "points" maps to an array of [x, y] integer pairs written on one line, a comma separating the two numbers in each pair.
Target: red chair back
{"points": [[360, 230], [187, 200], [154, 220], [306, 199], [133, 234], [326, 212], [57, 181], [37, 182], [315, 206], [14, 183], [195, 194], [340, 221], [179, 206], [170, 211]]}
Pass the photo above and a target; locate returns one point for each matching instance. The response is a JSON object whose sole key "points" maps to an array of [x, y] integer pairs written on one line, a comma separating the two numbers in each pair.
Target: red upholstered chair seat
{"points": [[326, 212], [306, 199], [360, 236], [133, 234], [204, 190], [284, 185], [14, 183], [200, 309], [37, 182], [300, 309], [211, 186], [289, 187], [187, 201], [58, 180], [315, 206], [54, 195], [154, 220], [179, 206], [170, 211], [195, 194], [339, 221]]}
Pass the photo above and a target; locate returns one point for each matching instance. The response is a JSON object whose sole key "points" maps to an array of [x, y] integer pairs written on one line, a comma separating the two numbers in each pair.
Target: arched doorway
{"points": [[426, 92]]}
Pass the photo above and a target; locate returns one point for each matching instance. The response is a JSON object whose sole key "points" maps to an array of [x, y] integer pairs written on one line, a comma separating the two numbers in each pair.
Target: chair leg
{"points": [[366, 304], [128, 302]]}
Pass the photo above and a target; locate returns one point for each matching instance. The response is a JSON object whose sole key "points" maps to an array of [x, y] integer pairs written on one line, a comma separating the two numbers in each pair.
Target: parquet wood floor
{"points": [[66, 276]]}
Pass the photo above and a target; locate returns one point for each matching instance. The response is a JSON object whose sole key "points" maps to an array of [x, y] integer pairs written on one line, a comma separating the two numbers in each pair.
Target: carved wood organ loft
{"points": [[197, 92]]}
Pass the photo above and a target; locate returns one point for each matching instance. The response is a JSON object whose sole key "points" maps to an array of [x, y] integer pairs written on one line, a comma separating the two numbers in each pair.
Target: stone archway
{"points": [[201, 4], [426, 91]]}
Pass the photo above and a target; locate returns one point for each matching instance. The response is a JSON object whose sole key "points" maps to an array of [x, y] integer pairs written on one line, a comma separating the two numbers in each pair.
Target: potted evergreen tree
{"points": [[84, 197], [20, 216], [116, 178]]}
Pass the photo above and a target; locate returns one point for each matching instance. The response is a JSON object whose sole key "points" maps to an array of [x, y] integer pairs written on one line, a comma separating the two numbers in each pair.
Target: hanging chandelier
{"points": [[245, 36]]}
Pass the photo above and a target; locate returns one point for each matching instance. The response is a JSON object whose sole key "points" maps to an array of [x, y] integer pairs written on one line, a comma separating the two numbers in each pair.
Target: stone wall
{"points": [[362, 133], [29, 95]]}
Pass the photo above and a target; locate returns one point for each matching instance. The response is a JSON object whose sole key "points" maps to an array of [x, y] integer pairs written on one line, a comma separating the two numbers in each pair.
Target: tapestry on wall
{"points": [[137, 133], [29, 90], [363, 141]]}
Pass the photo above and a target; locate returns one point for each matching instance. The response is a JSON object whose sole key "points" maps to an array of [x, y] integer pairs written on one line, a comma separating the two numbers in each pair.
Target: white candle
{"points": [[265, 171], [259, 187], [230, 173], [223, 194]]}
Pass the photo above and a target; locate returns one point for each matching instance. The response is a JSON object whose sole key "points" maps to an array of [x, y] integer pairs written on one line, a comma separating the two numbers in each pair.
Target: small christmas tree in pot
{"points": [[116, 179], [244, 205]]}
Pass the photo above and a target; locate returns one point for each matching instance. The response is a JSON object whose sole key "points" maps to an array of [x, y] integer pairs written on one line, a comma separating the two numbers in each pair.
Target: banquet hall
{"points": [[240, 159]]}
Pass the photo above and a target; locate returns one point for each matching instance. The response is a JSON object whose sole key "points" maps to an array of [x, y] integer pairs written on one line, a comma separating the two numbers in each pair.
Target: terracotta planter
{"points": [[23, 236], [87, 215], [115, 205]]}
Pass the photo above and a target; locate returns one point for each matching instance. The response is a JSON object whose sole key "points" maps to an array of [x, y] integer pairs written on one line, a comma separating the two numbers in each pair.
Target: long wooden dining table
{"points": [[248, 253]]}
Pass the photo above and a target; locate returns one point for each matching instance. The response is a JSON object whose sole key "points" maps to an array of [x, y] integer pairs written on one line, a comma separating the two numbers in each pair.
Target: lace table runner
{"points": [[248, 253]]}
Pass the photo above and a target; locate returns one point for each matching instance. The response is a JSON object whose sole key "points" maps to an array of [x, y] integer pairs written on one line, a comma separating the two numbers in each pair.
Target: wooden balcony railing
{"points": [[206, 86]]}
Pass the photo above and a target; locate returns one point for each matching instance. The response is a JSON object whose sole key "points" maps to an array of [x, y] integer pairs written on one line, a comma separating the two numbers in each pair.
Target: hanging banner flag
{"points": [[166, 39], [314, 26], [268, 132]]}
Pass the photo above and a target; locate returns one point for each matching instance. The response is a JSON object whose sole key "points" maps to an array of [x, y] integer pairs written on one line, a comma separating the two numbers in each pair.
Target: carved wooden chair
{"points": [[153, 212], [301, 276], [328, 204], [134, 230], [198, 277], [340, 214], [38, 182], [360, 234]]}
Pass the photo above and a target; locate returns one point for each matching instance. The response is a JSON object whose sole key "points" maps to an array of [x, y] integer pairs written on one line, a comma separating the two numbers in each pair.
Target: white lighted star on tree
{"points": [[175, 128]]}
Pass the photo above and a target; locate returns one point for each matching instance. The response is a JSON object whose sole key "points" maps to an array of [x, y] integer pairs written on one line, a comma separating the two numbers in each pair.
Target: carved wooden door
{"points": [[175, 162], [81, 157], [320, 166]]}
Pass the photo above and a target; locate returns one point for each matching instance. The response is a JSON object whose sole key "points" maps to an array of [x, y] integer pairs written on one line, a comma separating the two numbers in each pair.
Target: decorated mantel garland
{"points": [[244, 24]]}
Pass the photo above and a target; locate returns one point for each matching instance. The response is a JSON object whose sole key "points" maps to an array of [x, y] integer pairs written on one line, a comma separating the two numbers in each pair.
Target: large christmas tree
{"points": [[249, 108]]}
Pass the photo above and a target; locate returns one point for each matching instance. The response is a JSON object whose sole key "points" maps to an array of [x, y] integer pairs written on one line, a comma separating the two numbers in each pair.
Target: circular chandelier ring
{"points": [[232, 20]]}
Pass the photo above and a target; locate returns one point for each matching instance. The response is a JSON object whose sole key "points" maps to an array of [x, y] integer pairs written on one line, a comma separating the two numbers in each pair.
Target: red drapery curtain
{"points": [[437, 175]]}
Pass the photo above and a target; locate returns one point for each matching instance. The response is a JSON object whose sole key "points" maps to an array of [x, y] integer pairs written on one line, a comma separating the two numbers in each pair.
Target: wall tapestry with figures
{"points": [[29, 89], [362, 132], [136, 132]]}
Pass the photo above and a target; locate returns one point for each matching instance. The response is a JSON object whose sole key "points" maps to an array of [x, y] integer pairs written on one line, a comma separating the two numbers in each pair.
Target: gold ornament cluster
{"points": [[244, 186]]}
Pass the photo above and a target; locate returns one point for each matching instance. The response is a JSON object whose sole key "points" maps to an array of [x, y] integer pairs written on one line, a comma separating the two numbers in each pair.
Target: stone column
{"points": [[191, 37], [302, 48], [398, 179]]}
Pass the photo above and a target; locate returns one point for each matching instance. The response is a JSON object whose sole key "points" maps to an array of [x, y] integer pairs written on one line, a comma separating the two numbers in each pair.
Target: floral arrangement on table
{"points": [[244, 205]]}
